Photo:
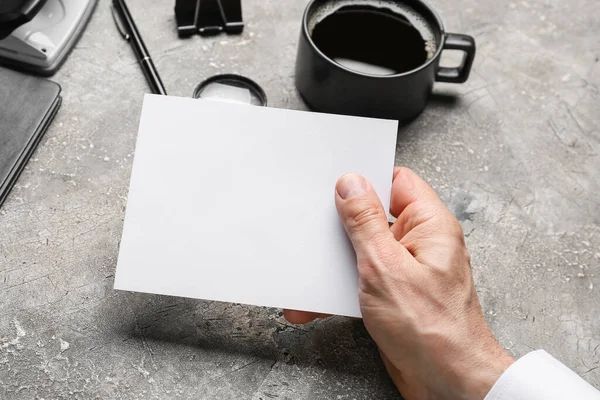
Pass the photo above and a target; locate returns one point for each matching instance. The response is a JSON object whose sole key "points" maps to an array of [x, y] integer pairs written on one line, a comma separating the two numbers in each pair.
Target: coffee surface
{"points": [[373, 39]]}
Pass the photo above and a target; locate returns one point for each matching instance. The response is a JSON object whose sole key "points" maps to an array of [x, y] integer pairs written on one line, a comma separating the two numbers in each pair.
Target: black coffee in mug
{"points": [[375, 58], [373, 36]]}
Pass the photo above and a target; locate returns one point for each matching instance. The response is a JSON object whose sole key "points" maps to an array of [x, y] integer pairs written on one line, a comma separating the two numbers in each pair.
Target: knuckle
{"points": [[456, 269], [365, 216], [421, 211], [467, 257], [445, 271], [457, 236], [372, 273], [381, 261], [456, 230]]}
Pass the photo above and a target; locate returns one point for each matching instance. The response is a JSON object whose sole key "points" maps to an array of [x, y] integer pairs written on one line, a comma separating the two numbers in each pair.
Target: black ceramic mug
{"points": [[402, 42]]}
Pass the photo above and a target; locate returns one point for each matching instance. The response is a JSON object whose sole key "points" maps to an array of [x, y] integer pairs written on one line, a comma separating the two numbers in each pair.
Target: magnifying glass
{"points": [[231, 88]]}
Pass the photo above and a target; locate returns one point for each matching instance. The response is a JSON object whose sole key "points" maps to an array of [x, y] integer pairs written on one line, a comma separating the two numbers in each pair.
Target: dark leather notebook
{"points": [[27, 106]]}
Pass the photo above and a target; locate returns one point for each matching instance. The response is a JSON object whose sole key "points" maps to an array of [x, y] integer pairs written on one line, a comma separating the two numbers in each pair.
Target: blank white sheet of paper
{"points": [[235, 203]]}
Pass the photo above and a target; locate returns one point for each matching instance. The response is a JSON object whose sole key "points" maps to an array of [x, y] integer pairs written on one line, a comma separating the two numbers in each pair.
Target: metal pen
{"points": [[129, 31]]}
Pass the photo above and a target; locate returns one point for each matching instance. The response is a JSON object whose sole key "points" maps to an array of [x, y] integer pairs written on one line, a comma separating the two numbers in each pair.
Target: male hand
{"points": [[416, 291]]}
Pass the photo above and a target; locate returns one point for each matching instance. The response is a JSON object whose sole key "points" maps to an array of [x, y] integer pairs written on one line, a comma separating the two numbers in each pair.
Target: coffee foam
{"points": [[424, 28]]}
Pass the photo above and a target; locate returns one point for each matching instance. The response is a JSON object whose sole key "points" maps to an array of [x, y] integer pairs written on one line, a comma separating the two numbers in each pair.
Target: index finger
{"points": [[407, 188]]}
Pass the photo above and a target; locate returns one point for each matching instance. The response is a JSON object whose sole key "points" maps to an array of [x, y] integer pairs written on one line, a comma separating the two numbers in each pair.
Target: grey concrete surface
{"points": [[514, 152]]}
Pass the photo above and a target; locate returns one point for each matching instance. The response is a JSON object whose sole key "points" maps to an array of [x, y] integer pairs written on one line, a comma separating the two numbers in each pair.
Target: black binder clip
{"points": [[208, 17]]}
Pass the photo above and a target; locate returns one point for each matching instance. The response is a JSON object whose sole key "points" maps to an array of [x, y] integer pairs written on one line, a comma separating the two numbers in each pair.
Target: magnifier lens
{"points": [[231, 89]]}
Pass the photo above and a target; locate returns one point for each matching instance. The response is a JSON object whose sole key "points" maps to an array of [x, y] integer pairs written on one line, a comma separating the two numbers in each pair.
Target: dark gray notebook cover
{"points": [[27, 106]]}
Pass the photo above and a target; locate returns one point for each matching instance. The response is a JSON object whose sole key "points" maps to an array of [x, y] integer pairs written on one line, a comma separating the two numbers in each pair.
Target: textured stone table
{"points": [[515, 153]]}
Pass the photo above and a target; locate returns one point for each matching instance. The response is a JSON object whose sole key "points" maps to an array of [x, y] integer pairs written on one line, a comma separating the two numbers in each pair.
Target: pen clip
{"points": [[119, 23]]}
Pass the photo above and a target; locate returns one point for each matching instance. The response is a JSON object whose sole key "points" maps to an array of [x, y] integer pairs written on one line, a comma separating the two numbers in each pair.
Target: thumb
{"points": [[363, 217]]}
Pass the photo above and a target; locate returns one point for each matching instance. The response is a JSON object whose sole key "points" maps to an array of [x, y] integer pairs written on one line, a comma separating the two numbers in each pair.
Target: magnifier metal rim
{"points": [[245, 83]]}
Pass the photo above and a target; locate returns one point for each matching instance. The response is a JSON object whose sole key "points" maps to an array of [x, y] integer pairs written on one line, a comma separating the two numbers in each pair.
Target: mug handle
{"points": [[456, 41]]}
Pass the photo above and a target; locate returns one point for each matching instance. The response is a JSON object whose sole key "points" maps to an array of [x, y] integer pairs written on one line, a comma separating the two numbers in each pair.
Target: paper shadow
{"points": [[339, 344]]}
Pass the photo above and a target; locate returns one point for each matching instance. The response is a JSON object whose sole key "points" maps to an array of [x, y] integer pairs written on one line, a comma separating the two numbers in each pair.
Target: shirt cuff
{"points": [[539, 376]]}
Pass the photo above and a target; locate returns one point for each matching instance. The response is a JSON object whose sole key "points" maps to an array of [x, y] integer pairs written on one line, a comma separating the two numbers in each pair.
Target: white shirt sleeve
{"points": [[539, 376]]}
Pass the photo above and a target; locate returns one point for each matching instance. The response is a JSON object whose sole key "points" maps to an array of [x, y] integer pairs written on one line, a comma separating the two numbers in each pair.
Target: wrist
{"points": [[483, 371]]}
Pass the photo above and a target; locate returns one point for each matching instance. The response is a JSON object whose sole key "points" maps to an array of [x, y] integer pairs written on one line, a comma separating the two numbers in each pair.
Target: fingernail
{"points": [[351, 185]]}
